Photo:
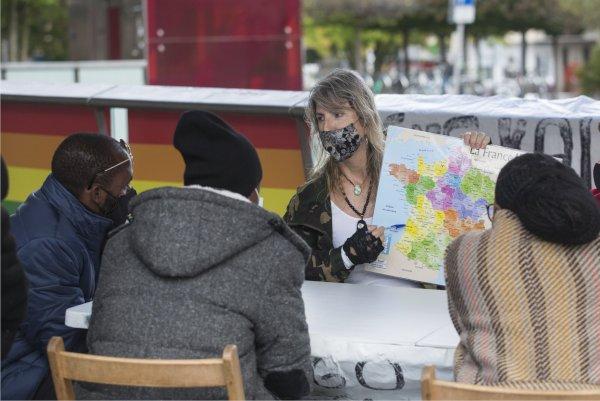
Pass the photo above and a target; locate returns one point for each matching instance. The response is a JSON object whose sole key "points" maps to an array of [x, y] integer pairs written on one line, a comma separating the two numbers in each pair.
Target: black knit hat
{"points": [[215, 154], [549, 198]]}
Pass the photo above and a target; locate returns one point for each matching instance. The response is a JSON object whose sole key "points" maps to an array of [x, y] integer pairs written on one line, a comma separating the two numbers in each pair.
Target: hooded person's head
{"points": [[549, 198], [216, 155]]}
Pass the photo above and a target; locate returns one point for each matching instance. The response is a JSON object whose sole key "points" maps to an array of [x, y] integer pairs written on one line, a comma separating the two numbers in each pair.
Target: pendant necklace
{"points": [[361, 223], [357, 187]]}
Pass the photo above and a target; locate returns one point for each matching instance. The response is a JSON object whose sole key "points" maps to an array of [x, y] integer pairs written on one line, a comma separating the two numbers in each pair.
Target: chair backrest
{"points": [[433, 389], [217, 372]]}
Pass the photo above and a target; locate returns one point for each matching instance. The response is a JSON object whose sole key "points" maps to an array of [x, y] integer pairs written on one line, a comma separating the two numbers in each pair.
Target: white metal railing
{"points": [[102, 71], [566, 127]]}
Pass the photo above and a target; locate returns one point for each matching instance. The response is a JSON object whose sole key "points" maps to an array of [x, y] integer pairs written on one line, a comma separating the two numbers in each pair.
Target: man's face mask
{"points": [[117, 209], [341, 143]]}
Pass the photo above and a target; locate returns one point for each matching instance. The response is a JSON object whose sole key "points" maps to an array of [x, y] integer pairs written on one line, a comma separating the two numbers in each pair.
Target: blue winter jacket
{"points": [[59, 244]]}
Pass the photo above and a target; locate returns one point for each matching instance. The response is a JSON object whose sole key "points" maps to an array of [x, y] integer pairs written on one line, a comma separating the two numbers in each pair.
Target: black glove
{"points": [[362, 246]]}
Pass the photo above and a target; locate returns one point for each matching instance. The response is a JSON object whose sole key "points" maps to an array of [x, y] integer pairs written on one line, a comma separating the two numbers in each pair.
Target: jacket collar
{"points": [[90, 227], [224, 192]]}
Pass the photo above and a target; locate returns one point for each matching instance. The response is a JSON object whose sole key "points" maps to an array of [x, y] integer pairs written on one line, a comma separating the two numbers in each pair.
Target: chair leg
{"points": [[233, 373], [62, 386], [427, 379]]}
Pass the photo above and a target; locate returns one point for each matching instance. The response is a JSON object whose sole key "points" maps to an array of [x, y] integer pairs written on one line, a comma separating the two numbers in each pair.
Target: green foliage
{"points": [[41, 29], [328, 40], [496, 17], [590, 74], [586, 12], [381, 24]]}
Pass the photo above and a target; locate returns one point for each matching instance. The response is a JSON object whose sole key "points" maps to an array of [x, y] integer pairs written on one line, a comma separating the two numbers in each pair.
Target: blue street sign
{"points": [[461, 11]]}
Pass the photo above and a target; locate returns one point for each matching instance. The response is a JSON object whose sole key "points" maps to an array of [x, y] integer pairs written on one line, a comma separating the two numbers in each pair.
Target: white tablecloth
{"points": [[366, 341]]}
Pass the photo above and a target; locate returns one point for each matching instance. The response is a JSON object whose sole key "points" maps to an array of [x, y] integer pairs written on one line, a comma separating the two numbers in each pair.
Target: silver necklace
{"points": [[357, 187]]}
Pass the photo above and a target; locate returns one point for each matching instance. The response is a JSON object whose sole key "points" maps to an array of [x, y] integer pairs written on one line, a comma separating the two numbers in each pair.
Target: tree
{"points": [[389, 25], [585, 12], [496, 17], [590, 74], [35, 29], [356, 18]]}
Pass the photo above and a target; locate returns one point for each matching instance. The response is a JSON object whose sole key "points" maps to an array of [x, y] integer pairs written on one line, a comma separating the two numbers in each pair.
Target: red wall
{"points": [[225, 43]]}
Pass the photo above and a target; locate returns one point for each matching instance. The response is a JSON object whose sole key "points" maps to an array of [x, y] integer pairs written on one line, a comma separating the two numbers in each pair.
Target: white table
{"points": [[366, 340]]}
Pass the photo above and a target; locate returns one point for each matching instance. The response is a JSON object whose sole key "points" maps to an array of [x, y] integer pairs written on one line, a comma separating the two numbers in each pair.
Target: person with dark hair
{"points": [[524, 294], [14, 284], [60, 230], [204, 266]]}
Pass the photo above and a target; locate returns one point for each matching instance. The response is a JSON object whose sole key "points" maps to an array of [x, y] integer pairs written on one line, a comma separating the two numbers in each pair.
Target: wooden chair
{"points": [[218, 372], [433, 389]]}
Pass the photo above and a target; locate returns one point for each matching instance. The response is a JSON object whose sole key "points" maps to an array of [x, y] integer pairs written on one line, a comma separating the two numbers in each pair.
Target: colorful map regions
{"points": [[432, 189]]}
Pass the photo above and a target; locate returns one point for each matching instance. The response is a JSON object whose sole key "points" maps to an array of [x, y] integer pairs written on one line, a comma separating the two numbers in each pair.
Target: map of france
{"points": [[432, 189]]}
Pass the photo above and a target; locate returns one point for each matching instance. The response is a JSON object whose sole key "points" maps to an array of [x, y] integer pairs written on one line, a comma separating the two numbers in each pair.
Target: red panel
{"points": [[152, 126], [225, 43], [267, 132], [114, 33], [35, 118]]}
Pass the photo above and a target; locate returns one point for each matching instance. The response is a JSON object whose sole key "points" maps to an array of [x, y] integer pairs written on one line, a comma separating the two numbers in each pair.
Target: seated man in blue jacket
{"points": [[60, 231]]}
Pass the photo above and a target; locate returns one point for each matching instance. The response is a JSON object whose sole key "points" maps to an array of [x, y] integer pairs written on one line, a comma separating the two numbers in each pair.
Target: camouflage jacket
{"points": [[309, 215]]}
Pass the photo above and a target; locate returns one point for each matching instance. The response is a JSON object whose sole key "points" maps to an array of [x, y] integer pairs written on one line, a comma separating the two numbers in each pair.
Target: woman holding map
{"points": [[333, 211]]}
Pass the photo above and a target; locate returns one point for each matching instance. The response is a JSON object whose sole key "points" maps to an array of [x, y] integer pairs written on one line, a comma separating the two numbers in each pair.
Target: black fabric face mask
{"points": [[117, 209], [341, 143]]}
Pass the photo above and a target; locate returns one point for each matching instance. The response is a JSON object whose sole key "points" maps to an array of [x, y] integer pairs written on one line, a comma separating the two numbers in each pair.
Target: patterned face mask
{"points": [[341, 143]]}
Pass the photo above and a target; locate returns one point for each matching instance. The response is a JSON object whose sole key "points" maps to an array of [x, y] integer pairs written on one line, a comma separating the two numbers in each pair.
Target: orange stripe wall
{"points": [[31, 133]]}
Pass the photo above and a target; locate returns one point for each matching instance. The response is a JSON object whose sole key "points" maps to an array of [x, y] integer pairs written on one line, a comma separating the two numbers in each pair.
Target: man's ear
{"points": [[91, 197], [95, 193]]}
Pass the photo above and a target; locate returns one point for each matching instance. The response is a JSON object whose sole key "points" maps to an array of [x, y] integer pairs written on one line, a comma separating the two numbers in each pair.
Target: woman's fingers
{"points": [[377, 231], [467, 138], [476, 140]]}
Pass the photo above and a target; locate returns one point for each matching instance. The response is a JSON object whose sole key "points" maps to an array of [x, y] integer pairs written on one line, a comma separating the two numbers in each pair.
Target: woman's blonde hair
{"points": [[331, 93]]}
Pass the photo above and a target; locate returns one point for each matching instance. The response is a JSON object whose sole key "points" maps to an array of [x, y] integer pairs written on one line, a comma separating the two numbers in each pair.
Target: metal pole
{"points": [[101, 121], [305, 148], [457, 76]]}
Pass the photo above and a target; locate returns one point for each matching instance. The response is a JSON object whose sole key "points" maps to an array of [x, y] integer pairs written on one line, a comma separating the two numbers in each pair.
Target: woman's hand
{"points": [[365, 245], [476, 140]]}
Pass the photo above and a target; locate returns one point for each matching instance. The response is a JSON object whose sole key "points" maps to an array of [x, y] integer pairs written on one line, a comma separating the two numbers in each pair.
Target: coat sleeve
{"points": [[282, 341], [14, 287], [325, 262], [53, 272]]}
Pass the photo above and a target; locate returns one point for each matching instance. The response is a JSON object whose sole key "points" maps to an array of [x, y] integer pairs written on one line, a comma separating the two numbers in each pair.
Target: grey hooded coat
{"points": [[194, 271]]}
